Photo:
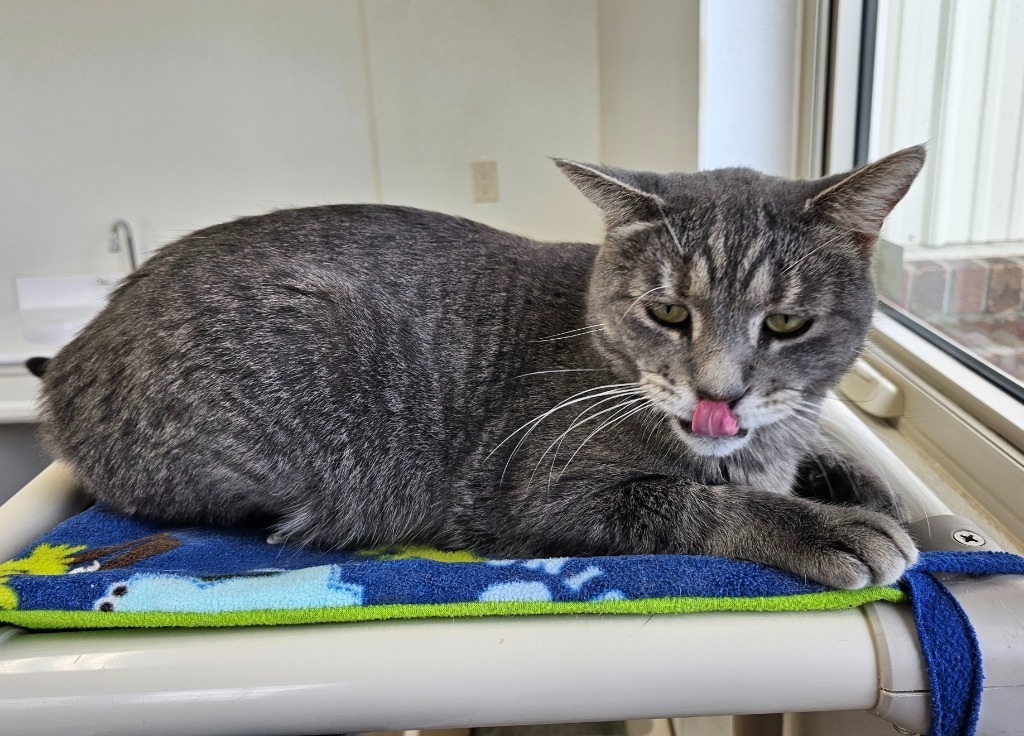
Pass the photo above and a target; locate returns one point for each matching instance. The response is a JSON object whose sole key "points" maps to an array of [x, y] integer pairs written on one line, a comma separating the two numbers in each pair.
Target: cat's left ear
{"points": [[618, 192], [862, 199]]}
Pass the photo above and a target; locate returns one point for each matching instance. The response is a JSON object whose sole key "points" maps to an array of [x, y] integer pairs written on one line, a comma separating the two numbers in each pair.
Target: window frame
{"points": [[960, 414]]}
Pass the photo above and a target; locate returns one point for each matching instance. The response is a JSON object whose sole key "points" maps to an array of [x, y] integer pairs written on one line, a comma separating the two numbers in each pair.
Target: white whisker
{"points": [[805, 404], [652, 419], [568, 335], [671, 230], [575, 329], [656, 288], [618, 419], [559, 405], [577, 423], [563, 370], [827, 244], [586, 395]]}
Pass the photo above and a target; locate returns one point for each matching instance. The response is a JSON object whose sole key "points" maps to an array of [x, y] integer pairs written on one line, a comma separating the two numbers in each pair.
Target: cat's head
{"points": [[737, 299]]}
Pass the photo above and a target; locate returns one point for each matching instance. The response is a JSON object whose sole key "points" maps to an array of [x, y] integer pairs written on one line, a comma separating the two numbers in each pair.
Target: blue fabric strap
{"points": [[948, 640]]}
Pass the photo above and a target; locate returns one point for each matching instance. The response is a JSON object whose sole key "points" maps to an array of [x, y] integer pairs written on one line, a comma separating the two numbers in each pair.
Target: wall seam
{"points": [[371, 108]]}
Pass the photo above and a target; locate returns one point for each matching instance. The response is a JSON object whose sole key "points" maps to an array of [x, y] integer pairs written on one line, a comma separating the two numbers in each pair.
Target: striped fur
{"points": [[371, 375]]}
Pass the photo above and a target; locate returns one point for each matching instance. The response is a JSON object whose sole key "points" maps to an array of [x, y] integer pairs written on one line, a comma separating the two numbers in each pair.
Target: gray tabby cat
{"points": [[374, 375]]}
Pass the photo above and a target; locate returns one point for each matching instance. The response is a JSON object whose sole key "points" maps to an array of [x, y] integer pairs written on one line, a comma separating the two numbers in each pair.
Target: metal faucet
{"points": [[115, 242]]}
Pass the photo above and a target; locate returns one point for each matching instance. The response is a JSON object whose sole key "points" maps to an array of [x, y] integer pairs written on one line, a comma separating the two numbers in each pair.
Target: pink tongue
{"points": [[714, 419]]}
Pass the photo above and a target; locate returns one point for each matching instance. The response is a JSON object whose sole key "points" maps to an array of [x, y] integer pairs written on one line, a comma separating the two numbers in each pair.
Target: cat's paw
{"points": [[850, 547]]}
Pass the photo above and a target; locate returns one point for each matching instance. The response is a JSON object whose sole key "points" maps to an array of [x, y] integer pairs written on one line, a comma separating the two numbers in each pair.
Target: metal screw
{"points": [[968, 538]]}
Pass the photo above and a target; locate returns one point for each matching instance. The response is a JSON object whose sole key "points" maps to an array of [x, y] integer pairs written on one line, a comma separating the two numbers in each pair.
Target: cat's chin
{"points": [[711, 446]]}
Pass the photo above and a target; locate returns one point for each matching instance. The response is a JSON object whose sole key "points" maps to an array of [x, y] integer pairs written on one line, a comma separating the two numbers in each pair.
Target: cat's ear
{"points": [[861, 200], [616, 191]]}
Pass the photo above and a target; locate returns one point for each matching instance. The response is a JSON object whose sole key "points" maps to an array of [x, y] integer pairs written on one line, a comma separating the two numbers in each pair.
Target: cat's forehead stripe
{"points": [[751, 258], [700, 276], [793, 292], [716, 239], [759, 282], [755, 258], [667, 277], [707, 259]]}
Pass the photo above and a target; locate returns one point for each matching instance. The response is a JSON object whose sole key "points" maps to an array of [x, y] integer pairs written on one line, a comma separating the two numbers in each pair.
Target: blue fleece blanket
{"points": [[101, 570]]}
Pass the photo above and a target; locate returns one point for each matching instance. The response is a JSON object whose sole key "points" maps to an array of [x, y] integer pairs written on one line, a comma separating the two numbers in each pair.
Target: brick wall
{"points": [[977, 302], [962, 287]]}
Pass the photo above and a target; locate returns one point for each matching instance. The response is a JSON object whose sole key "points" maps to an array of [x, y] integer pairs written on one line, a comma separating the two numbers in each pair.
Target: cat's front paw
{"points": [[849, 547]]}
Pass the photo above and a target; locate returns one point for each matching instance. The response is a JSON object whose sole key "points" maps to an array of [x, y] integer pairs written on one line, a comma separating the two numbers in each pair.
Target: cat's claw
{"points": [[855, 548]]}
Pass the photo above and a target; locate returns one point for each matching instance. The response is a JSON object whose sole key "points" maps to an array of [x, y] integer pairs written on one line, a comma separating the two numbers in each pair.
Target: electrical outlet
{"points": [[485, 180]]}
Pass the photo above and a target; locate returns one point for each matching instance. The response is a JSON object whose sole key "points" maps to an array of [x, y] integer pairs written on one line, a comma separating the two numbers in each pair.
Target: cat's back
{"points": [[315, 345], [266, 270], [359, 239]]}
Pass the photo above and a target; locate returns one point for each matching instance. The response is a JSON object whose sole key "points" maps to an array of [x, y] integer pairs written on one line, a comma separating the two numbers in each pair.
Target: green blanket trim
{"points": [[829, 600]]}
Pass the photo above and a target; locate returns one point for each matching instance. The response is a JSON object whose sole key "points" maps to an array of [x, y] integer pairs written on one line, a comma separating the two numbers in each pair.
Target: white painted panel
{"points": [[960, 126], [911, 107], [172, 115], [845, 77], [456, 81], [956, 82], [1001, 121], [1017, 198], [749, 84], [649, 78]]}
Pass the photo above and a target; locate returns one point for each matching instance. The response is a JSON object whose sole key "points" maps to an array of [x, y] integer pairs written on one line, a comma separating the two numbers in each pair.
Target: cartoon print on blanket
{"points": [[101, 569], [578, 573], [45, 559], [313, 587], [66, 559]]}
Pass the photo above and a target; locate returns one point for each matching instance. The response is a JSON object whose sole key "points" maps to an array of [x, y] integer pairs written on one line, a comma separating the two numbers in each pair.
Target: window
{"points": [[950, 262], [952, 254]]}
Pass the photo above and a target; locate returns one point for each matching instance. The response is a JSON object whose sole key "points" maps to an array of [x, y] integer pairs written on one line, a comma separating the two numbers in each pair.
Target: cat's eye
{"points": [[787, 325], [672, 315]]}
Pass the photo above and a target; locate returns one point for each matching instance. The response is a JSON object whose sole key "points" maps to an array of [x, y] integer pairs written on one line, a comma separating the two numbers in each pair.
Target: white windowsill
{"points": [[959, 433]]}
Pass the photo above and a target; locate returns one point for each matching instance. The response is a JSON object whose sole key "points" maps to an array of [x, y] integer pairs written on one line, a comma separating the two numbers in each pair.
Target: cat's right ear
{"points": [[614, 191], [860, 200]]}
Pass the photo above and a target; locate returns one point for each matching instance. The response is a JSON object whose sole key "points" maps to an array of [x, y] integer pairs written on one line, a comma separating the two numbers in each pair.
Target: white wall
{"points": [[456, 81], [649, 83], [176, 115], [749, 84], [173, 115], [179, 114]]}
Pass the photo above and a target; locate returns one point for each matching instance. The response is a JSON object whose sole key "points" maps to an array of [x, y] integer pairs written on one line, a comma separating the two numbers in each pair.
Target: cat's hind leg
{"points": [[349, 517]]}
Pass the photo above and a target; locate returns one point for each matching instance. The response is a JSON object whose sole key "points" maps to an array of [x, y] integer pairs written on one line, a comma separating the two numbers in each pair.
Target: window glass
{"points": [[951, 75]]}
